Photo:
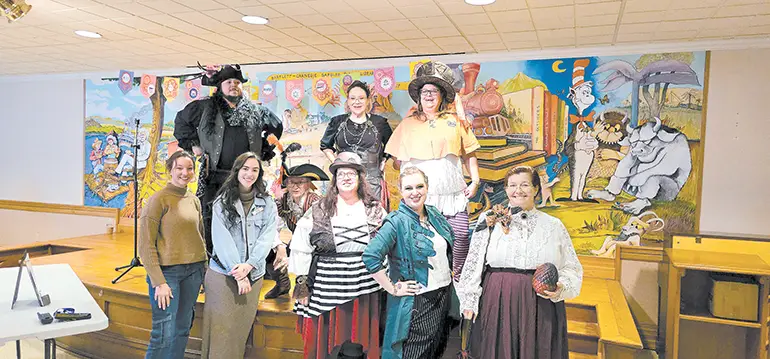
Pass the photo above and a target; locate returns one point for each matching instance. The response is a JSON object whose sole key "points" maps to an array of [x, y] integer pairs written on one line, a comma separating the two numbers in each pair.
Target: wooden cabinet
{"points": [[687, 326]]}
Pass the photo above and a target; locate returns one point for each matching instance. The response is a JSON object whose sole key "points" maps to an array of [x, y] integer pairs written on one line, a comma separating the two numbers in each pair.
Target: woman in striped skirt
{"points": [[417, 240], [336, 297], [511, 320]]}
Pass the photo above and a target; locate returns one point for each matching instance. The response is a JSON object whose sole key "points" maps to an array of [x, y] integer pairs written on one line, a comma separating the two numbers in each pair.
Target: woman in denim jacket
{"points": [[417, 240], [243, 232]]}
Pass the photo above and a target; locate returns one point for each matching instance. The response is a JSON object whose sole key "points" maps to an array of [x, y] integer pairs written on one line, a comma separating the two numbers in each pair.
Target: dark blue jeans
{"points": [[171, 327]]}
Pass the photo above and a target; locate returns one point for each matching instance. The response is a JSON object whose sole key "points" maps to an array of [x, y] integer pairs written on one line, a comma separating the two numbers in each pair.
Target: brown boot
{"points": [[282, 285]]}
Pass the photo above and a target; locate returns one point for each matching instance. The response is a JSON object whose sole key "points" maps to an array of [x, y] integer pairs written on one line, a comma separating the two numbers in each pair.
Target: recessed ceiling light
{"points": [[479, 2], [255, 20], [89, 34]]}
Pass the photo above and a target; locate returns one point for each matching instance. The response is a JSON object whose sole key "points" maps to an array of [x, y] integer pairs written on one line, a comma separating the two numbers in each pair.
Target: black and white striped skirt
{"points": [[429, 327], [336, 280]]}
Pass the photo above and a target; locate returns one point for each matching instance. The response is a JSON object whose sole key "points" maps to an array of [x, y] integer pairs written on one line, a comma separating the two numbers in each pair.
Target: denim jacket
{"points": [[229, 248], [407, 246]]}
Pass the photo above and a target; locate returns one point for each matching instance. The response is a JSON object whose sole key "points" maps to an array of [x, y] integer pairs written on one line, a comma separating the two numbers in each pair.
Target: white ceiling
{"points": [[146, 34]]}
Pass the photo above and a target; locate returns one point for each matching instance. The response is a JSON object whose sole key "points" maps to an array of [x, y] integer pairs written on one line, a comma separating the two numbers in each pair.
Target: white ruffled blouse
{"points": [[534, 238]]}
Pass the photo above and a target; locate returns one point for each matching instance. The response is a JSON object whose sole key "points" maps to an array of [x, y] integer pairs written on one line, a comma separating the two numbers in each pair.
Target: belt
{"points": [[489, 269]]}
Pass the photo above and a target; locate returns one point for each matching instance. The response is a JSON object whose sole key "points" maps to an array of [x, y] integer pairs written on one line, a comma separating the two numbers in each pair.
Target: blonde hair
{"points": [[411, 170]]}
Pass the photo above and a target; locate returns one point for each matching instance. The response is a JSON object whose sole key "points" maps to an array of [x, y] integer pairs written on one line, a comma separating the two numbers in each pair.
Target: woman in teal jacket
{"points": [[417, 240]]}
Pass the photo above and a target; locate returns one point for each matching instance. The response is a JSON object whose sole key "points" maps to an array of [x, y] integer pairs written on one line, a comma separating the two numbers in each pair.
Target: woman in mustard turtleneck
{"points": [[172, 249]]}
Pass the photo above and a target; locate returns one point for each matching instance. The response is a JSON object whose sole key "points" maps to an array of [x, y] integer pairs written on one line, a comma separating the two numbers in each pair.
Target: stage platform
{"points": [[600, 323]]}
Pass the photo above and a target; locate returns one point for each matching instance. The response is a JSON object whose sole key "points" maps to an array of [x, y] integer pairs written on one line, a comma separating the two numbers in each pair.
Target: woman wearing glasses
{"points": [[336, 298], [437, 139], [511, 320], [363, 134]]}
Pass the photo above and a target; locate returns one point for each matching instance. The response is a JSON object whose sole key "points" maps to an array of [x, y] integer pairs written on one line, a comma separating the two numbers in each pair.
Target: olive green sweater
{"points": [[170, 231]]}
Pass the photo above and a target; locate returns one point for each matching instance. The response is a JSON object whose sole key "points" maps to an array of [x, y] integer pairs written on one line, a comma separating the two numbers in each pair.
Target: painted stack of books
{"points": [[497, 155]]}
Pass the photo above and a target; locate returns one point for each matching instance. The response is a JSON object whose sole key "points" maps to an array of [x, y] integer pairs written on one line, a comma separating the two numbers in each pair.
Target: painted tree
{"points": [[660, 74]]}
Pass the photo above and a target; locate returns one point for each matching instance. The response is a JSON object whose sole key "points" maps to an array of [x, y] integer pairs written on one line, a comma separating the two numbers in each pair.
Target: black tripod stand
{"points": [[134, 261]]}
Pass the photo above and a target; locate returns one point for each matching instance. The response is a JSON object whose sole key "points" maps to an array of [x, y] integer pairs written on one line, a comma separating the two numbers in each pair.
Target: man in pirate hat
{"points": [[293, 200], [220, 128]]}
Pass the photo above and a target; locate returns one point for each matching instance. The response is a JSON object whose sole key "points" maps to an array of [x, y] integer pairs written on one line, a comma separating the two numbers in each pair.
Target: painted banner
{"points": [[126, 81], [384, 80], [267, 91], [192, 89], [346, 80], [295, 91], [322, 88], [147, 86], [170, 88]]}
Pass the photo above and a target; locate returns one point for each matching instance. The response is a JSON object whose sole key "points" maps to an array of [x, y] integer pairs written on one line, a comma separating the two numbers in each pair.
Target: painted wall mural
{"points": [[616, 140]]}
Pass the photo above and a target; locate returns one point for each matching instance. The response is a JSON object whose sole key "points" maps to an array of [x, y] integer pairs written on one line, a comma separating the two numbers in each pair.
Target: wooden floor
{"points": [[94, 258]]}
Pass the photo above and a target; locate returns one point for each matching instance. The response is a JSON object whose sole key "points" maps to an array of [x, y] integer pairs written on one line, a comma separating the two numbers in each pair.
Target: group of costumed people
{"points": [[368, 283]]}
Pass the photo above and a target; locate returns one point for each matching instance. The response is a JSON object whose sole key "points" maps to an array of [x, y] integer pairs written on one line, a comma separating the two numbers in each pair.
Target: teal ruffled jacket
{"points": [[407, 245]]}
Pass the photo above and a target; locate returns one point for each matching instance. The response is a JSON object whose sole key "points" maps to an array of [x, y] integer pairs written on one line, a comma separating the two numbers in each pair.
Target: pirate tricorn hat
{"points": [[225, 73], [435, 73], [305, 170]]}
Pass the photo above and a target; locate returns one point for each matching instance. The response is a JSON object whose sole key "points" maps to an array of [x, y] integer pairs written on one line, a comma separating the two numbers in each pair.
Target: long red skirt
{"points": [[514, 323], [357, 321]]}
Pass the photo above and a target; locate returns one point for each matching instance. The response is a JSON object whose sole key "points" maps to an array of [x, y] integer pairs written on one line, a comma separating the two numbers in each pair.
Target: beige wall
{"points": [[22, 227]]}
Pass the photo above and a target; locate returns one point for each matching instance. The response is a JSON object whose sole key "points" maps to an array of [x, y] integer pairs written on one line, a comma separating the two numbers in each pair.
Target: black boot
{"points": [[282, 285]]}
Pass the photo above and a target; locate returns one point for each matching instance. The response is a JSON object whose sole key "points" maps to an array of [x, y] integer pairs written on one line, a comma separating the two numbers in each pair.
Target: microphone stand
{"points": [[134, 261]]}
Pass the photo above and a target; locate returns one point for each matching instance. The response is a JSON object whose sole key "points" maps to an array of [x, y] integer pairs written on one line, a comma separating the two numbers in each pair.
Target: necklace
{"points": [[367, 126]]}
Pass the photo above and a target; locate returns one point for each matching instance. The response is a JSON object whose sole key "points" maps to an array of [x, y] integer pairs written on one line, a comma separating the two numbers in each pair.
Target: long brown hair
{"points": [[329, 202], [230, 192]]}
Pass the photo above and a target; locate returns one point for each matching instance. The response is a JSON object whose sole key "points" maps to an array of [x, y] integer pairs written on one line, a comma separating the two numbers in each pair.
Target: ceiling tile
{"points": [[404, 35], [344, 38], [481, 39], [332, 48], [724, 23], [454, 40], [300, 32], [135, 9], [166, 6], [548, 3], [514, 26], [689, 14], [434, 22], [680, 25], [78, 15], [478, 29], [646, 5], [504, 5], [293, 8], [420, 11], [405, 3], [258, 10], [224, 15], [377, 36], [637, 17], [605, 39], [328, 5], [283, 23], [459, 7], [360, 46], [362, 28], [345, 17], [382, 14], [315, 40], [471, 19], [418, 43], [396, 25], [675, 35], [594, 31], [554, 18], [597, 9], [105, 11], [759, 20], [520, 45], [510, 16], [330, 30], [692, 4], [556, 34], [202, 5], [387, 45], [597, 20], [743, 10], [637, 37], [519, 36], [76, 3], [313, 20], [490, 46], [638, 28], [718, 33]]}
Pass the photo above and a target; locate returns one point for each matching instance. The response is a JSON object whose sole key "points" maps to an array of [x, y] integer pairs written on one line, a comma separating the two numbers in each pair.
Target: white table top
{"points": [[64, 288]]}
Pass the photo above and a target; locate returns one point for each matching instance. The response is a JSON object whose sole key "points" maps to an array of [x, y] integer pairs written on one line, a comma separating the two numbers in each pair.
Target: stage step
{"points": [[573, 355]]}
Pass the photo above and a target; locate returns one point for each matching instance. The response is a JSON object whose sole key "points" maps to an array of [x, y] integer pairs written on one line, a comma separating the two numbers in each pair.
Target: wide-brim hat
{"points": [[225, 73], [348, 350], [347, 159], [435, 73], [307, 170]]}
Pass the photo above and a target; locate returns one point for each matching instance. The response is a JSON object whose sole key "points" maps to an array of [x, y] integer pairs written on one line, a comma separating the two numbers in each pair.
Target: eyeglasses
{"points": [[524, 186], [295, 183], [344, 175], [354, 100], [429, 93]]}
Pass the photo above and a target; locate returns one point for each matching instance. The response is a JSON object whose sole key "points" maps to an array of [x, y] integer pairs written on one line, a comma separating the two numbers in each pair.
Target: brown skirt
{"points": [[514, 323], [227, 316]]}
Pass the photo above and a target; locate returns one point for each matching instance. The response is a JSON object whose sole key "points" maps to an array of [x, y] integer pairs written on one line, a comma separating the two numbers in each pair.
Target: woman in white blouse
{"points": [[511, 321]]}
